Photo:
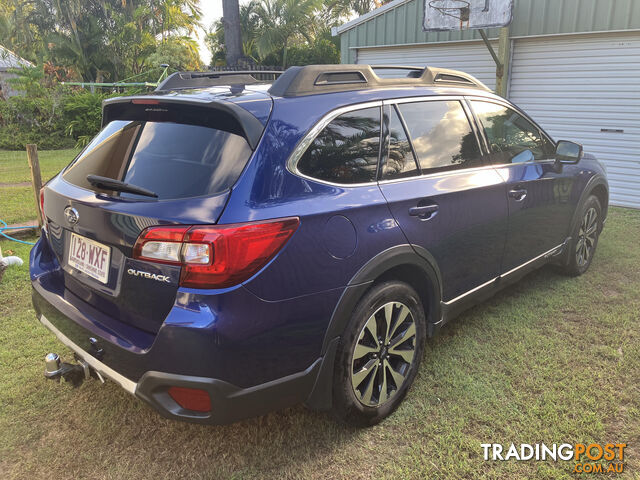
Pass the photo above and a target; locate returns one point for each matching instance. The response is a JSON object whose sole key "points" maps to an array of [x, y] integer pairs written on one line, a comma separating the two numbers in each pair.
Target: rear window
{"points": [[171, 159]]}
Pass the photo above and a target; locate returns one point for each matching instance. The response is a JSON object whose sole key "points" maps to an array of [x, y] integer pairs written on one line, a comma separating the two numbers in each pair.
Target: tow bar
{"points": [[73, 373]]}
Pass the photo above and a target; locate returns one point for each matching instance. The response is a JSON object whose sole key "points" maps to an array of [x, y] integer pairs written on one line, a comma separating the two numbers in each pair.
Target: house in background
{"points": [[574, 67], [9, 60]]}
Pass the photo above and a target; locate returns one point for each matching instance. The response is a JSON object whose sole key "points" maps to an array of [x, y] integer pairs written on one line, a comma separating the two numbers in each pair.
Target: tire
{"points": [[370, 384], [584, 238]]}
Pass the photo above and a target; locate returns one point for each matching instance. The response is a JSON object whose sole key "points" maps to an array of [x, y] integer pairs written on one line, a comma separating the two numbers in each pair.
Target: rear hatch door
{"points": [[188, 156]]}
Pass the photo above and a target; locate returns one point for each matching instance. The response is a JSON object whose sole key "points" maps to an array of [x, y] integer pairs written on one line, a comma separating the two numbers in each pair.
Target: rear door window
{"points": [[399, 161], [441, 135], [173, 160], [346, 151]]}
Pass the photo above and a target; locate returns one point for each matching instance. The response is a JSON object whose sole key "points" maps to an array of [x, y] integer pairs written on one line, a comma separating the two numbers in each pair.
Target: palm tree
{"points": [[232, 31], [337, 11]]}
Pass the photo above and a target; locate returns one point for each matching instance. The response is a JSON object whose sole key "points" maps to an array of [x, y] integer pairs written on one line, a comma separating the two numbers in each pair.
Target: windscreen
{"points": [[173, 160]]}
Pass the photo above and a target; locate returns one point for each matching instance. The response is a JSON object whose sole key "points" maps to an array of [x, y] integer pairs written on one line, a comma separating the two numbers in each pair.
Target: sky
{"points": [[211, 11]]}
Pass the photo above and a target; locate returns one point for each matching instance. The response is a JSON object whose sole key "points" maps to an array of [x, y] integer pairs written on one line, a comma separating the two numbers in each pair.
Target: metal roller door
{"points": [[587, 89], [470, 57]]}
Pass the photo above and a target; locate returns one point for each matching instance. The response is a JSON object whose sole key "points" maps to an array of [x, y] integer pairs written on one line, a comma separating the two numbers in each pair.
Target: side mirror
{"points": [[568, 152]]}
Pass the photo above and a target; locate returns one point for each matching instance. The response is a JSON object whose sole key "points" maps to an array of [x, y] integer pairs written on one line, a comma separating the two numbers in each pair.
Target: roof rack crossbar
{"points": [[210, 79], [313, 79]]}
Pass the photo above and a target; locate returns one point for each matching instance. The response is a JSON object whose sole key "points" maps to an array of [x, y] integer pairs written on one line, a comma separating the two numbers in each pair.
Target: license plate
{"points": [[89, 257]]}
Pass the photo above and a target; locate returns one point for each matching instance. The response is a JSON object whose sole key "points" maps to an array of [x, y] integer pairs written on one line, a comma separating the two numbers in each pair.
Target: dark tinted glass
{"points": [[170, 159], [441, 135], [512, 138], [346, 151], [400, 162]]}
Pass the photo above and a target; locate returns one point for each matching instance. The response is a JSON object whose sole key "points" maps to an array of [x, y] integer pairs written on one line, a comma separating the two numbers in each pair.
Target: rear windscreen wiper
{"points": [[118, 186]]}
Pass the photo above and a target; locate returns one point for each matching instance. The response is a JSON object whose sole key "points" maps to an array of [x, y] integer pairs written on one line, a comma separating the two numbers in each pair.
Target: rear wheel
{"points": [[379, 354], [584, 238]]}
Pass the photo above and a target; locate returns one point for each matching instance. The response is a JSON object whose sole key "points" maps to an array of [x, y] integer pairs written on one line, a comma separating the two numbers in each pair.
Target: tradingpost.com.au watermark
{"points": [[588, 458]]}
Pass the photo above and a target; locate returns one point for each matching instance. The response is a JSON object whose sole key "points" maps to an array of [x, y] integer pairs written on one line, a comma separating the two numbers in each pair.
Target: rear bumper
{"points": [[229, 403], [251, 355], [106, 371]]}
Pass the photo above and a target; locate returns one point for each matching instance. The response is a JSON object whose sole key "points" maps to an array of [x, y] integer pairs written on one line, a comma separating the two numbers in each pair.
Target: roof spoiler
{"points": [[312, 79], [245, 123]]}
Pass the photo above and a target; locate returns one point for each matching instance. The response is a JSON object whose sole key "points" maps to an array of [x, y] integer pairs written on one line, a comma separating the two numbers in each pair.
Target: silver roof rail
{"points": [[312, 79], [180, 80]]}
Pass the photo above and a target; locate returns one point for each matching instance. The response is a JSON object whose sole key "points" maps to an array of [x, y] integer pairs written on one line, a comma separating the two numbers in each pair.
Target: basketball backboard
{"points": [[443, 15]]}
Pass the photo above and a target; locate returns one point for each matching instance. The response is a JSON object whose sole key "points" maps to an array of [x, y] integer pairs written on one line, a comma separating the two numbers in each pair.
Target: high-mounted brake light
{"points": [[145, 101], [215, 256]]}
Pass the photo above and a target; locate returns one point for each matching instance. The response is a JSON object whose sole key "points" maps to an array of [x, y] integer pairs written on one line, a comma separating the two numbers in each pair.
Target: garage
{"points": [[473, 55], [576, 71], [593, 96]]}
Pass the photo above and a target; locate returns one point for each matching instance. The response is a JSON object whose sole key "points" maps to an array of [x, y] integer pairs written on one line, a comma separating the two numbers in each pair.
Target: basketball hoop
{"points": [[450, 15], [459, 9]]}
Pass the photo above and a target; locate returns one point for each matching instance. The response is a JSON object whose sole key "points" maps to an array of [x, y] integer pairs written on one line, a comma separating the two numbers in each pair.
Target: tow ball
{"points": [[73, 373]]}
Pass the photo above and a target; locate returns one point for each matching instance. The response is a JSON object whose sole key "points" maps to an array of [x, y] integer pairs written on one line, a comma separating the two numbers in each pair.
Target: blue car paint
{"points": [[276, 323]]}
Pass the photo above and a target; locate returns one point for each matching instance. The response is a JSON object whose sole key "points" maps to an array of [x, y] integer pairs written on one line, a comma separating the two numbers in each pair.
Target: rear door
{"points": [[440, 192], [186, 161], [538, 192]]}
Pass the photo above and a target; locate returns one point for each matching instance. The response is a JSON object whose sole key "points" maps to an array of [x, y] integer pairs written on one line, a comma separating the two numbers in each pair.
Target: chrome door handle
{"points": [[518, 194], [424, 212]]}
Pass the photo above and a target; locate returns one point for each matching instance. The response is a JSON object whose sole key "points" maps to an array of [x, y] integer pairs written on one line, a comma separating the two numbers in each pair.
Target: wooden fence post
{"points": [[36, 177]]}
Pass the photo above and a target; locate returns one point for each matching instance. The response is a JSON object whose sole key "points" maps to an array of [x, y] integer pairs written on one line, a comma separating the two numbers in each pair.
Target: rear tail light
{"points": [[215, 256], [191, 398]]}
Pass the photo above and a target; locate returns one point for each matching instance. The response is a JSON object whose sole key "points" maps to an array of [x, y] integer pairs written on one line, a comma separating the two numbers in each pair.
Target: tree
{"points": [[232, 31], [283, 20], [98, 39], [179, 52], [250, 29]]}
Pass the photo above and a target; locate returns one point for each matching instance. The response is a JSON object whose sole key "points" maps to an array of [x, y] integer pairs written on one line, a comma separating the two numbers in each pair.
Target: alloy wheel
{"points": [[587, 236], [383, 354]]}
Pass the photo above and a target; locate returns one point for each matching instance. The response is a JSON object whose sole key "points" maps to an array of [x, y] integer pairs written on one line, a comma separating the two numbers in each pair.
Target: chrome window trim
{"points": [[440, 174], [129, 385], [310, 136], [531, 162], [429, 98]]}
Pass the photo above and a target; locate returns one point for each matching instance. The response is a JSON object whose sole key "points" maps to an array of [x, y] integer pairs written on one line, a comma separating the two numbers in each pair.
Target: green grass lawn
{"points": [[551, 359], [17, 203], [14, 167]]}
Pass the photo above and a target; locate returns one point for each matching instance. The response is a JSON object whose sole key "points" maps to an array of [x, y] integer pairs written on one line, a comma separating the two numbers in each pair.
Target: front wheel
{"points": [[379, 354], [584, 238]]}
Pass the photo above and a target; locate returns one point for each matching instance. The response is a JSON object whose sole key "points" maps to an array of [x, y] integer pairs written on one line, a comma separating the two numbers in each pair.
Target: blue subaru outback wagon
{"points": [[226, 246]]}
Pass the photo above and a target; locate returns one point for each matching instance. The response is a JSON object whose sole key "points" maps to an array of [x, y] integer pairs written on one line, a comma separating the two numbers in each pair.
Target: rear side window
{"points": [[346, 150], [171, 159], [512, 138], [441, 135]]}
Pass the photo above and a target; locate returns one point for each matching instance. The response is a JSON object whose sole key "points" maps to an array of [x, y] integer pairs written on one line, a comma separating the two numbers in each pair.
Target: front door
{"points": [[444, 198], [538, 191]]}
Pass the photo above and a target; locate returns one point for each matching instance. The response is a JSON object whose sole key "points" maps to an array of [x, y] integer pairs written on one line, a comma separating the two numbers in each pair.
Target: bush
{"points": [[82, 115], [321, 51], [49, 114], [32, 120]]}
